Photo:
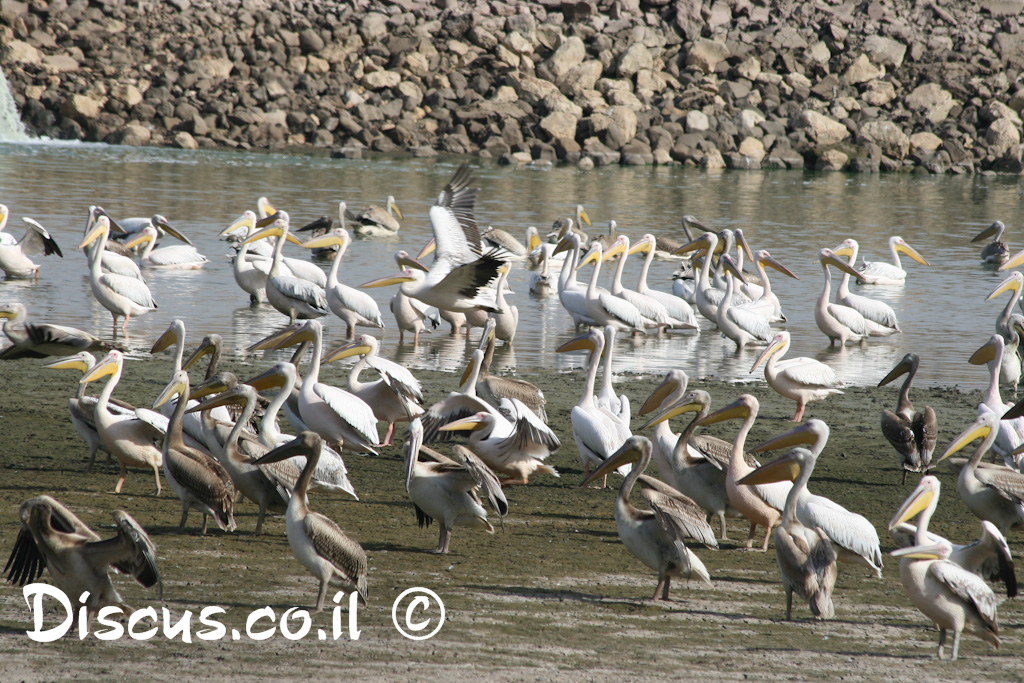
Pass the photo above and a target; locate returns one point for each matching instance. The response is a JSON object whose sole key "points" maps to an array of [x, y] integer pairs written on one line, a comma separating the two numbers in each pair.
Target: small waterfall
{"points": [[11, 127]]}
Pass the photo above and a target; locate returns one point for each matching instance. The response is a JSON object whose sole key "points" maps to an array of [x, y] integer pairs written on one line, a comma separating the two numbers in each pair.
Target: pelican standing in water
{"points": [[316, 540], [911, 433], [446, 491], [1009, 327], [121, 295], [800, 379], [54, 538], [875, 311], [742, 325], [348, 303], [677, 308], [837, 322], [997, 251], [14, 258], [767, 304], [882, 273], [657, 537], [807, 562], [39, 340], [1010, 432]]}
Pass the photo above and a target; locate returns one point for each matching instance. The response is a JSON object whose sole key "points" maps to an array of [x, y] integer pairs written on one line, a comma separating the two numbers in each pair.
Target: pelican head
{"points": [[847, 248], [581, 215], [731, 267], [83, 361], [740, 409], [404, 260], [674, 383], [210, 344], [919, 499], [247, 220], [277, 227], [900, 245], [981, 428], [934, 551], [1013, 282], [307, 331], [593, 255], [634, 449], [693, 402], [277, 376], [220, 382], [174, 335], [412, 450], [265, 207], [810, 433], [908, 364], [362, 345], [338, 237], [110, 365], [178, 386], [393, 207], [592, 340], [741, 243], [784, 468], [767, 259], [240, 394], [15, 311], [475, 359], [991, 350], [407, 275], [778, 344], [644, 245], [101, 228], [707, 241], [827, 257], [995, 231], [307, 443]]}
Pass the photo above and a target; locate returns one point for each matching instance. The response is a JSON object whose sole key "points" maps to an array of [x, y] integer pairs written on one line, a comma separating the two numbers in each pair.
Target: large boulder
{"points": [[706, 54], [887, 135], [822, 129], [1001, 136]]}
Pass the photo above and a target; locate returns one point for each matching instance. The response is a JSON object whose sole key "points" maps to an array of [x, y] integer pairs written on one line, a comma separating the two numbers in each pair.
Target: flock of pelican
{"points": [[218, 442]]}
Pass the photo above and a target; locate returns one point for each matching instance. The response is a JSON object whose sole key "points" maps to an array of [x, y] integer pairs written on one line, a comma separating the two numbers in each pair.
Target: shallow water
{"points": [[942, 308]]}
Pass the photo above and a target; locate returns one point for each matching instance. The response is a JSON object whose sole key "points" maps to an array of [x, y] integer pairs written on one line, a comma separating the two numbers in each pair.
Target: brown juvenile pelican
{"points": [[39, 340], [911, 433], [997, 251], [374, 221], [317, 541], [493, 389]]}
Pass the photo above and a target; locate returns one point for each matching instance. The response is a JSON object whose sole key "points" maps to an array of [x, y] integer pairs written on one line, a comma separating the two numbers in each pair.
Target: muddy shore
{"points": [[554, 596]]}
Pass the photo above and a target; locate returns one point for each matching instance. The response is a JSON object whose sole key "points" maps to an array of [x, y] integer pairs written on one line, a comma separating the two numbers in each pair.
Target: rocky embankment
{"points": [[931, 86]]}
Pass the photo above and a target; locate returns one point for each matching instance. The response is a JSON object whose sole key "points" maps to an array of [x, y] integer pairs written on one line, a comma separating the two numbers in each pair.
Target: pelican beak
{"points": [[214, 386], [625, 455], [731, 267], [467, 372], [701, 242], [738, 409], [107, 366], [774, 346], [100, 227], [272, 231], [168, 339], [580, 343], [1016, 411], [829, 258], [174, 232], [409, 262], [978, 430], [659, 395], [771, 262], [682, 406], [271, 341], [386, 281], [798, 436], [912, 253], [898, 371], [267, 380], [132, 243], [304, 333], [583, 216], [174, 388], [1013, 282], [564, 244], [69, 363], [467, 424], [246, 220], [741, 242], [919, 499], [990, 231], [843, 250], [300, 445], [353, 349], [270, 219], [534, 241], [1014, 261], [205, 349], [594, 255], [412, 452], [427, 250], [644, 245], [323, 241], [224, 398], [784, 468], [985, 354], [398, 212], [935, 551], [618, 248]]}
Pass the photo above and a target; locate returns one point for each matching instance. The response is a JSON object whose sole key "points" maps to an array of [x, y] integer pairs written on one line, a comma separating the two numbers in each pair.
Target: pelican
{"points": [[910, 432], [122, 296], [574, 225], [800, 379], [837, 322], [761, 504], [348, 303], [200, 481], [14, 259], [320, 227], [6, 238], [1010, 432], [654, 312], [988, 557], [177, 257], [603, 307], [115, 258], [538, 250], [316, 540], [807, 562], [457, 280], [707, 298], [39, 340], [501, 239], [335, 414], [742, 325], [493, 389], [83, 408], [875, 311], [396, 397], [572, 296], [1008, 326], [657, 537], [292, 296], [506, 320], [133, 226], [412, 315], [995, 252], [617, 405], [767, 304], [373, 221], [677, 308], [597, 432], [882, 273], [446, 491], [854, 537], [992, 493], [543, 283], [458, 404], [131, 440], [54, 538], [250, 273]]}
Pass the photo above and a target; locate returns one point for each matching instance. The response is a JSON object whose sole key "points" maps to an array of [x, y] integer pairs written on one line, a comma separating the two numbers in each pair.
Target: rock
{"points": [[378, 80], [752, 148], [559, 125], [20, 52], [310, 41], [831, 160], [81, 108], [599, 153], [749, 68], [862, 71], [59, 63], [127, 93], [864, 165], [1001, 135], [932, 100], [879, 93], [885, 51], [185, 141], [635, 58], [713, 160], [373, 27], [997, 110], [215, 68], [696, 122], [888, 136], [821, 129], [819, 52], [135, 134], [706, 54], [569, 54], [749, 119], [929, 142]]}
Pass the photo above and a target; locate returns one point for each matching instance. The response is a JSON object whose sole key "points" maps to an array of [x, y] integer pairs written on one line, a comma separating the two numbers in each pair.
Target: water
{"points": [[942, 308], [11, 127]]}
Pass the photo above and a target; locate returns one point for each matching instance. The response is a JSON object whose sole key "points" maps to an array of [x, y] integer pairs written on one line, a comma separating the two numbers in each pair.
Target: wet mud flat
{"points": [[553, 596]]}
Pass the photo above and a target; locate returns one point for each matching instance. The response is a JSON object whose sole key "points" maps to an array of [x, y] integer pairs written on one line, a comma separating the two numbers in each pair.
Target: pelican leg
{"points": [[92, 459], [259, 520], [789, 604], [389, 437], [799, 412], [321, 597], [750, 536], [184, 518], [721, 527], [664, 590], [156, 473], [443, 539], [658, 588], [513, 482], [114, 316], [767, 537], [942, 643], [124, 327], [206, 520], [904, 477], [120, 481], [956, 645]]}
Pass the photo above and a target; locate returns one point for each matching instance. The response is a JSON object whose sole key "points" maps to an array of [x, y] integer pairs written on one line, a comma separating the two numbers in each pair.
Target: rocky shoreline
{"points": [[866, 86]]}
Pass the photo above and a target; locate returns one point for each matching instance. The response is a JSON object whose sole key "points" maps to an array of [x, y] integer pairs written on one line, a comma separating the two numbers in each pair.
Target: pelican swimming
{"points": [[446, 491], [996, 251], [1008, 326], [121, 295], [657, 537], [989, 556], [911, 433], [459, 277], [800, 379], [348, 303], [316, 540], [677, 308], [873, 310], [654, 312], [14, 258], [882, 273], [374, 221], [396, 397], [54, 538], [836, 321], [543, 283], [39, 340], [807, 561], [178, 257]]}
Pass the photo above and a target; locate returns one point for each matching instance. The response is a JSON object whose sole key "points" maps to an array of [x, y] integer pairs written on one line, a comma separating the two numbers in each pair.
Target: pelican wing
{"points": [[484, 478], [649, 307], [873, 270], [968, 587], [360, 303], [130, 288], [14, 352], [926, 432], [177, 255], [808, 372], [621, 310], [468, 278], [752, 322], [451, 218], [497, 388], [455, 407], [898, 431], [302, 290], [596, 435], [130, 552], [876, 311], [682, 518], [848, 317], [45, 333], [1008, 483], [846, 529], [38, 241], [990, 557], [774, 494], [331, 543], [398, 377], [350, 408], [154, 421], [28, 560], [528, 428]]}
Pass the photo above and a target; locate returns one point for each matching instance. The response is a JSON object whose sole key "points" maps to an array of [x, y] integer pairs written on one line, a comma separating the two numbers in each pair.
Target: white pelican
{"points": [[882, 273], [654, 312], [996, 251], [853, 536], [492, 388], [39, 340], [54, 538], [875, 311], [603, 307], [767, 304], [348, 303], [457, 280], [538, 250], [1010, 432], [316, 540], [542, 283], [112, 260], [991, 492], [339, 417], [412, 315], [836, 321], [657, 537], [250, 272], [677, 308], [446, 491], [989, 556], [571, 294], [506, 320], [14, 259], [911, 433], [6, 238], [131, 440], [807, 561], [121, 295], [200, 481], [762, 504], [707, 298], [178, 257], [800, 379], [374, 221], [1008, 326], [396, 397], [742, 325], [292, 296], [597, 432], [131, 227]]}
